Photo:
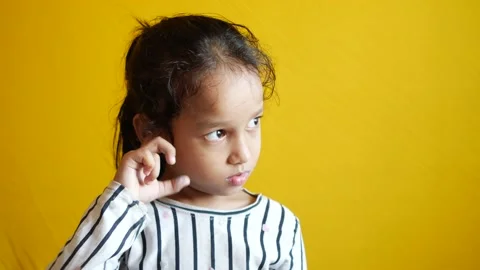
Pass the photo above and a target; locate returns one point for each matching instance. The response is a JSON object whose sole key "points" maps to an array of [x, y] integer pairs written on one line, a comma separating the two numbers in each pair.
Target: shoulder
{"points": [[281, 208], [278, 213]]}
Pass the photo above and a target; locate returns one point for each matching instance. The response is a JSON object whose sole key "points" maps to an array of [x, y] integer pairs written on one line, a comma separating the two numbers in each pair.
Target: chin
{"points": [[225, 191], [232, 190]]}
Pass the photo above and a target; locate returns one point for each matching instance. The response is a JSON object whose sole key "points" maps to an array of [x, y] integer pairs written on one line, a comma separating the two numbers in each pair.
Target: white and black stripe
{"points": [[170, 235], [135, 226], [262, 235], [247, 247], [90, 232], [159, 235], [212, 242], [230, 245], [279, 235], [144, 250], [177, 239], [194, 240], [109, 233], [293, 245], [76, 230]]}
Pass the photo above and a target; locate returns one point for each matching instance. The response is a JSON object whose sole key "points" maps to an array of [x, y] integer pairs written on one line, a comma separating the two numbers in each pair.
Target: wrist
{"points": [[129, 190]]}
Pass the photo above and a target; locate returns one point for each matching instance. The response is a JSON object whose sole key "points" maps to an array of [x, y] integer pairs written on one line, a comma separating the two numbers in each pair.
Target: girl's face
{"points": [[217, 135]]}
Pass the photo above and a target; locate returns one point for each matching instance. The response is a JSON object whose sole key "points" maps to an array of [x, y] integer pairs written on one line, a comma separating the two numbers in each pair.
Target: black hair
{"points": [[167, 62]]}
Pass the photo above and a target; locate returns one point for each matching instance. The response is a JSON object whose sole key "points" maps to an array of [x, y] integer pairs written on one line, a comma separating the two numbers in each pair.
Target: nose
{"points": [[240, 152]]}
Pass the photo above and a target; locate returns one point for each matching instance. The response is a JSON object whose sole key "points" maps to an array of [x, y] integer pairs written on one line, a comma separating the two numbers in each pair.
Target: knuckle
{"points": [[173, 184], [146, 153], [170, 149], [128, 155]]}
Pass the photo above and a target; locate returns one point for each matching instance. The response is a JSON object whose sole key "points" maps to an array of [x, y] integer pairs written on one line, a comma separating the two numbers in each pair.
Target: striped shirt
{"points": [[118, 232]]}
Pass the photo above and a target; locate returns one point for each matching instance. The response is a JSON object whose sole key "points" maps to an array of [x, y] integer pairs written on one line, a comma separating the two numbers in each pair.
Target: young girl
{"points": [[189, 138]]}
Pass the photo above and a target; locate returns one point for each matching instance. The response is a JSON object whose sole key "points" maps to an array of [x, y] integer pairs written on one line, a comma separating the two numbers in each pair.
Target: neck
{"points": [[196, 197]]}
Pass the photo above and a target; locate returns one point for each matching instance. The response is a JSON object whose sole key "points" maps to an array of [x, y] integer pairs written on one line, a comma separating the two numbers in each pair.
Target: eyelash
{"points": [[221, 133], [257, 119]]}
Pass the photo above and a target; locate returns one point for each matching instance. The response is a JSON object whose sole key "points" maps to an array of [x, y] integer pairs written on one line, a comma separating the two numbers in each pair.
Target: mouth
{"points": [[238, 179]]}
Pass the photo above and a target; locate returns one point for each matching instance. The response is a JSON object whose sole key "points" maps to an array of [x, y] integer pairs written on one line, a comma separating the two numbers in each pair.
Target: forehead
{"points": [[226, 94]]}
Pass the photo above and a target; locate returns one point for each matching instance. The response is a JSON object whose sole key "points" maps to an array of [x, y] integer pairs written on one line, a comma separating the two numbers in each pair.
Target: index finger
{"points": [[160, 145]]}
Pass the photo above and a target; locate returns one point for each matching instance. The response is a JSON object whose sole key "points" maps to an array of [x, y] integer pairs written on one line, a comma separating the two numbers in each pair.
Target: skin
{"points": [[216, 135]]}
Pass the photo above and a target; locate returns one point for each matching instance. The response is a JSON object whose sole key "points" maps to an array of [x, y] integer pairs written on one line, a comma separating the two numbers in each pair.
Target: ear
{"points": [[142, 128]]}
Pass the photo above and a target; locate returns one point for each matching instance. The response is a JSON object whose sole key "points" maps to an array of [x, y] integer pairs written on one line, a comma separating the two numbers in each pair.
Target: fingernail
{"points": [[184, 180], [172, 160]]}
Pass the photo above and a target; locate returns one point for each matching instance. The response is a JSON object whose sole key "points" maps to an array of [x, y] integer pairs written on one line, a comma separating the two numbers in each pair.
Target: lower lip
{"points": [[238, 180]]}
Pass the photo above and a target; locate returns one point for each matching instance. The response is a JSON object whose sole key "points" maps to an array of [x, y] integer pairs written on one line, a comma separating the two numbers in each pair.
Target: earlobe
{"points": [[146, 131]]}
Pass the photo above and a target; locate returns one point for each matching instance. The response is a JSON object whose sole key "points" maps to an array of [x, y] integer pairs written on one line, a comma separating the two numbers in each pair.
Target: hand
{"points": [[139, 169]]}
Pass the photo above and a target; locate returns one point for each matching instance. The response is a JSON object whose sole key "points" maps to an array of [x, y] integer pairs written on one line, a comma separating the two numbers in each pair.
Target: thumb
{"points": [[169, 187]]}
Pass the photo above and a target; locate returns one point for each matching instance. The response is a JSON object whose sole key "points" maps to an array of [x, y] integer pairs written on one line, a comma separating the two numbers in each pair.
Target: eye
{"points": [[254, 122], [215, 135]]}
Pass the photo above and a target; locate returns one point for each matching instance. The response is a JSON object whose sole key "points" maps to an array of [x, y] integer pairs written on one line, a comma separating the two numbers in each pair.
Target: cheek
{"points": [[257, 141], [257, 148], [193, 157], [186, 151]]}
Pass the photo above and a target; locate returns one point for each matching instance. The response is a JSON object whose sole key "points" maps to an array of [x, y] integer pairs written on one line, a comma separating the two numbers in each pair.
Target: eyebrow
{"points": [[207, 124]]}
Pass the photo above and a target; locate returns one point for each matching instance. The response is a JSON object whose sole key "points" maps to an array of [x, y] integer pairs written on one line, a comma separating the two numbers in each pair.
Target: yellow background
{"points": [[375, 144]]}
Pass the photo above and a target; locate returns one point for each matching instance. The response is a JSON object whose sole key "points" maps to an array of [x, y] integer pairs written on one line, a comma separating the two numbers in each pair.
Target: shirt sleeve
{"points": [[108, 229], [296, 259]]}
